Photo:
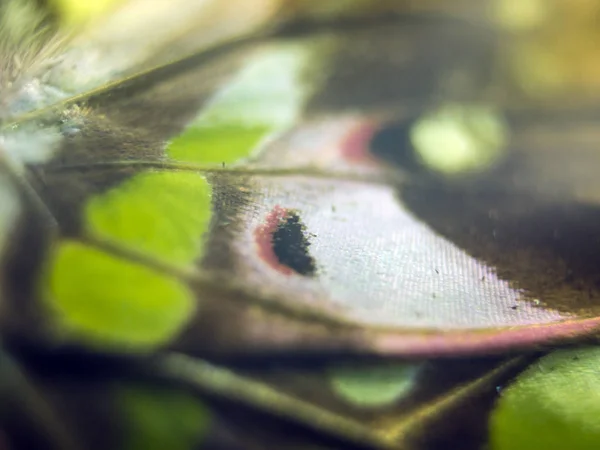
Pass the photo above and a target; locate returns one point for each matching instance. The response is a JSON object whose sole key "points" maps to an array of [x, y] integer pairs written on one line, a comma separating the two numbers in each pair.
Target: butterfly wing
{"points": [[315, 206], [272, 216]]}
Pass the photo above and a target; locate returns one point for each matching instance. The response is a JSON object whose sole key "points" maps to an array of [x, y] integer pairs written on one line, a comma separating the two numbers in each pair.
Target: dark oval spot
{"points": [[391, 144], [291, 244]]}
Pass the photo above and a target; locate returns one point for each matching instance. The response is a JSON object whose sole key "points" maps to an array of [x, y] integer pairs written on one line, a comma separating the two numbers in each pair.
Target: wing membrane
{"points": [[287, 210]]}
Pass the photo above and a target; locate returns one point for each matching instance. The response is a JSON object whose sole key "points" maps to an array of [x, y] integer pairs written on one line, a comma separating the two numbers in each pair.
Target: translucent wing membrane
{"points": [[298, 234]]}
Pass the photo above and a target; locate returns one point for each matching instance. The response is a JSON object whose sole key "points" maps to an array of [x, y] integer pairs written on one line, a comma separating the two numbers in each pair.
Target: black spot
{"points": [[391, 144], [290, 245]]}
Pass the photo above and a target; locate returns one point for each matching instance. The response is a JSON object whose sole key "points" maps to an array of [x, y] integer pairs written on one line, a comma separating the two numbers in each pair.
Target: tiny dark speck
{"points": [[291, 245], [437, 271], [514, 307]]}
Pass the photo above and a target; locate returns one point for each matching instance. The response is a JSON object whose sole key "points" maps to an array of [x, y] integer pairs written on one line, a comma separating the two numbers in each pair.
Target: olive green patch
{"points": [[161, 418], [553, 405], [216, 144], [373, 385], [163, 214], [108, 301]]}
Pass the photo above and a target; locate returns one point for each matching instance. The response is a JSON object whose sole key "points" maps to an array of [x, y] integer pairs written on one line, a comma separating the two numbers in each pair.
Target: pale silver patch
{"points": [[268, 91], [319, 144], [380, 263]]}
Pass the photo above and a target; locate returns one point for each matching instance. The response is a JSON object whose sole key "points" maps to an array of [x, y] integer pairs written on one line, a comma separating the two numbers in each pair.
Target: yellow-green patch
{"points": [[373, 385], [216, 144], [459, 138], [164, 214], [553, 405], [107, 301], [161, 419]]}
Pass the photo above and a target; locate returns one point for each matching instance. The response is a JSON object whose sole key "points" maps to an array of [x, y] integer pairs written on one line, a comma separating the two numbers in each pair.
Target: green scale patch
{"points": [[553, 405], [108, 299]]}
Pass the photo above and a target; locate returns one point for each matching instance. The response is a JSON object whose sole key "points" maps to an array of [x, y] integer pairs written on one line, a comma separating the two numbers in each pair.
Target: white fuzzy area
{"points": [[31, 95], [20, 24], [29, 50], [28, 145]]}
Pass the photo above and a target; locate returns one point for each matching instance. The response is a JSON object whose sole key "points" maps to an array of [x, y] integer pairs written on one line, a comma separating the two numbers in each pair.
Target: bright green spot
{"points": [[164, 214], [216, 144], [112, 302], [553, 405], [460, 138], [161, 418], [373, 386]]}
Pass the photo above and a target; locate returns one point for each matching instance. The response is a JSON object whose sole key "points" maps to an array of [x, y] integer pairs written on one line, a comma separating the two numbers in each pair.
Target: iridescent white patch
{"points": [[29, 144], [268, 91]]}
